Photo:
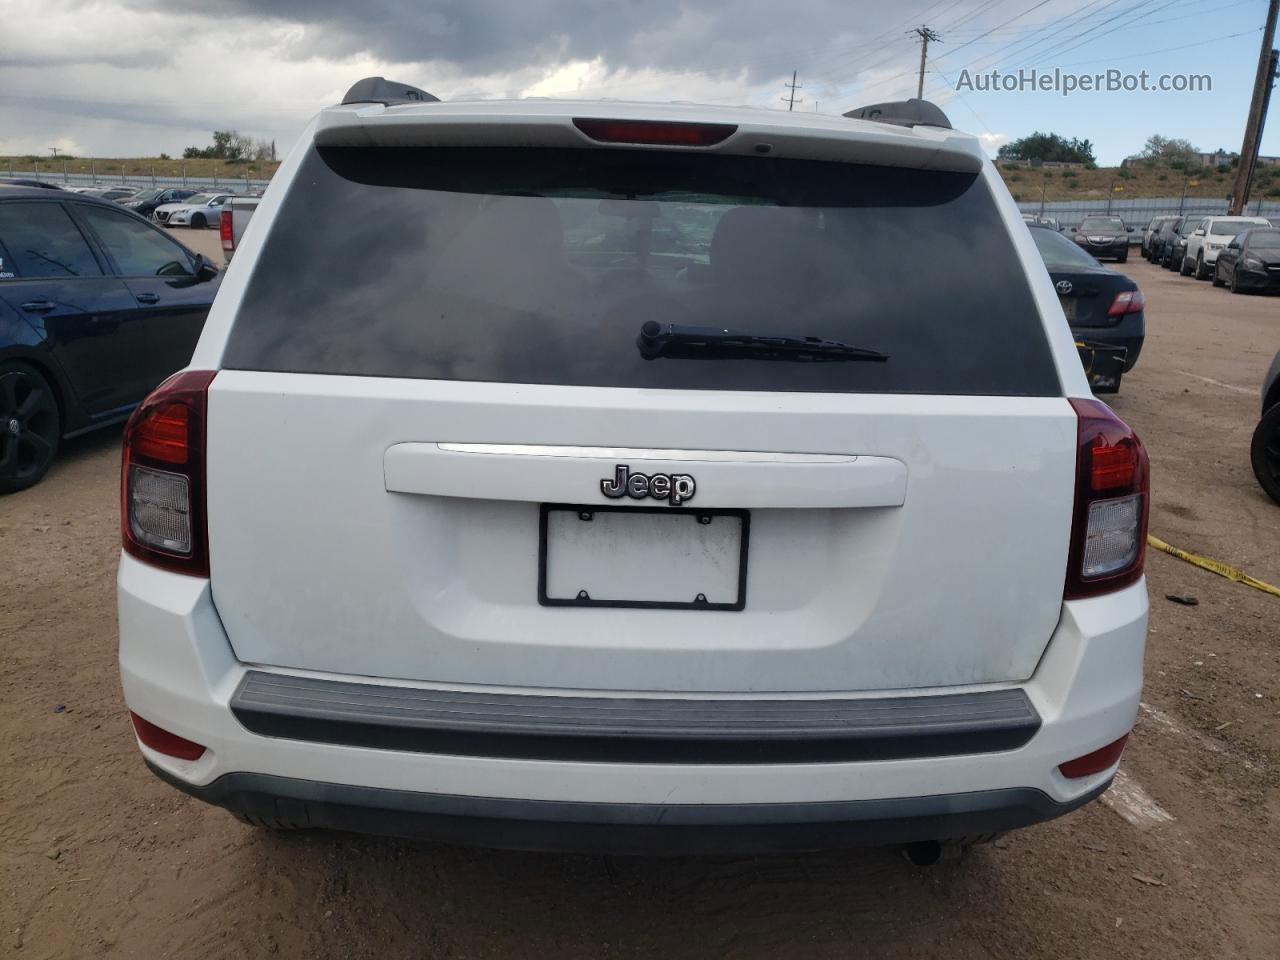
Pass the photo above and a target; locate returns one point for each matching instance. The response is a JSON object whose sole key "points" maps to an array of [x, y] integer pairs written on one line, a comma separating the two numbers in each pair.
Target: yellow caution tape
{"points": [[1213, 566]]}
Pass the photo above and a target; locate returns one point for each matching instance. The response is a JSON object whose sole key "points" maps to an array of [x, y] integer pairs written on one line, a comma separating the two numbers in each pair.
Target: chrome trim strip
{"points": [[643, 453]]}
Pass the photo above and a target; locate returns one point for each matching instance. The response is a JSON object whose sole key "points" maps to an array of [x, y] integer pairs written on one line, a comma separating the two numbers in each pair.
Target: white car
{"points": [[1209, 238], [502, 524], [199, 212]]}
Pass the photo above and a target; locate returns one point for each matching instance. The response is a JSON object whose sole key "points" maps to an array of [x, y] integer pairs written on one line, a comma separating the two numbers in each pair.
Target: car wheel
{"points": [[1186, 268], [1123, 257], [1265, 452], [1200, 272], [197, 222], [1235, 281], [30, 426]]}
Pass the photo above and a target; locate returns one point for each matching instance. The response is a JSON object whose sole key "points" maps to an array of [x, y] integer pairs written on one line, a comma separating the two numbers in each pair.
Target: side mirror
{"points": [[1199, 233], [204, 268]]}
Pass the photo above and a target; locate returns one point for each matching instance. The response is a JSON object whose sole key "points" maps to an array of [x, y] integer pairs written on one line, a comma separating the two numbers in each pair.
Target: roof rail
{"points": [[904, 113], [388, 92]]}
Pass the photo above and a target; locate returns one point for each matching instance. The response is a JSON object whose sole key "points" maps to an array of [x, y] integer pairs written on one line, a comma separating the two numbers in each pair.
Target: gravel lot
{"points": [[97, 857]]}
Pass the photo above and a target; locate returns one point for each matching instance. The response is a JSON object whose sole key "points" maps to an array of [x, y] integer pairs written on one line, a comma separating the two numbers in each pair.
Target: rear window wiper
{"points": [[680, 341]]}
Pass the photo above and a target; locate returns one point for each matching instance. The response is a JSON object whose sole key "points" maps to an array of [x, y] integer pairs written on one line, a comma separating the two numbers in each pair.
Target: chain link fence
{"points": [[105, 178], [1138, 211]]}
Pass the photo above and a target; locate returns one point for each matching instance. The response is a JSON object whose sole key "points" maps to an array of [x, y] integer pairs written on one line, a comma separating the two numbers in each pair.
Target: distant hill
{"points": [[107, 167], [1026, 183]]}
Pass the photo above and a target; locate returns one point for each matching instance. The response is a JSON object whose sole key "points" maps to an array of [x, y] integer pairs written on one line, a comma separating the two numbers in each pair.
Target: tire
{"points": [[1123, 257], [1186, 268], [1201, 272], [30, 426], [1235, 281], [1264, 452], [198, 222], [1216, 277]]}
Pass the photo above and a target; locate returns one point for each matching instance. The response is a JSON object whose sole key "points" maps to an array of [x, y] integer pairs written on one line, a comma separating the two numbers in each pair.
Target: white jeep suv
{"points": [[631, 477], [1210, 238]]}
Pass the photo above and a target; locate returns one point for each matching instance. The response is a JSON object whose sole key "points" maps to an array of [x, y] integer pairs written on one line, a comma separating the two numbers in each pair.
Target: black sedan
{"points": [[1104, 308], [1250, 262], [1103, 237], [1265, 450], [145, 203], [97, 306]]}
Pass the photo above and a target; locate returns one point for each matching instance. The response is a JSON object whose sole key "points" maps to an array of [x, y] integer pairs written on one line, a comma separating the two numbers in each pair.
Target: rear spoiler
{"points": [[552, 124], [386, 92], [904, 113]]}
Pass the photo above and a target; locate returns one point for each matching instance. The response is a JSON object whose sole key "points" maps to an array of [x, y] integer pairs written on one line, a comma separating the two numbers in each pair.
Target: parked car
{"points": [[1208, 239], [1250, 263], [1103, 236], [1149, 233], [146, 202], [198, 212], [1177, 247], [1101, 305], [1160, 241], [97, 306], [630, 578], [236, 214], [106, 193], [1264, 452]]}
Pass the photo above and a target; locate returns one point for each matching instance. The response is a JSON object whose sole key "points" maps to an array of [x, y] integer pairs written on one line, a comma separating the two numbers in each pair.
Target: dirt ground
{"points": [[97, 857]]}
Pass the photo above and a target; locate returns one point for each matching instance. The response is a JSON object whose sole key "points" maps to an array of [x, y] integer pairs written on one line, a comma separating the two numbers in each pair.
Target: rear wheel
{"points": [[198, 222], [1264, 452], [269, 823], [30, 426]]}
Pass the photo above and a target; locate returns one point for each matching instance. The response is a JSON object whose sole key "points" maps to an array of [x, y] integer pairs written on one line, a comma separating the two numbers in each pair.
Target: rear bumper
{"points": [[617, 828], [179, 672]]}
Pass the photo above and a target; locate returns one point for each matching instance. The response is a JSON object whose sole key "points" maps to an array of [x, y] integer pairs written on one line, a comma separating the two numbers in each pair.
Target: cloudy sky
{"points": [[136, 78]]}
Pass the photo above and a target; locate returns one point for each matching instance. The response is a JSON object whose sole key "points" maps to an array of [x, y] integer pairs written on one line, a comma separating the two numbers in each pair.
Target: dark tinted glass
{"points": [[540, 266], [44, 242], [1264, 240], [1058, 252], [139, 250]]}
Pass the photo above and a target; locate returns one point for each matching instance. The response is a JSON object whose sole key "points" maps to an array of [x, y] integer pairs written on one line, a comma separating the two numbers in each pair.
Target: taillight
{"points": [[1091, 763], [224, 231], [655, 132], [1127, 301], [162, 476], [162, 741], [1109, 528]]}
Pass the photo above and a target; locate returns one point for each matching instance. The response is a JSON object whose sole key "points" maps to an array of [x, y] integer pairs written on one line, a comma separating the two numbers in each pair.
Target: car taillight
{"points": [[1091, 763], [224, 231], [1127, 301], [655, 132], [162, 741], [1109, 528], [162, 476]]}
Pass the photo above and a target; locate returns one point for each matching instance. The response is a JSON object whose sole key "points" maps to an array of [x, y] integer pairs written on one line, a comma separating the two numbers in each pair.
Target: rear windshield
{"points": [[527, 265], [1058, 252]]}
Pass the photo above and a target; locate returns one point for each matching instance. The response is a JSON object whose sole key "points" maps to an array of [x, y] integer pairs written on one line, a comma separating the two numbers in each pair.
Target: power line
{"points": [[925, 34], [791, 100], [1018, 16]]}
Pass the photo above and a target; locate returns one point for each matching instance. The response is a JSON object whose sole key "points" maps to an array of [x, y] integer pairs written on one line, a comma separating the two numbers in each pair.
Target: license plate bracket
{"points": [[588, 566]]}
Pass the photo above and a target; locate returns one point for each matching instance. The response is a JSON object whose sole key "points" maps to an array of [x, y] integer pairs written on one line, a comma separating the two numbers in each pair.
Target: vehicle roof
{"points": [[1241, 217], [8, 192]]}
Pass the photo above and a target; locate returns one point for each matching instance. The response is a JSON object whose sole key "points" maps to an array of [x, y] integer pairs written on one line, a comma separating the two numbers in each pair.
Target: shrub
{"points": [[1274, 192], [1015, 177], [1162, 178], [1048, 174], [1224, 168], [1069, 174], [1126, 174]]}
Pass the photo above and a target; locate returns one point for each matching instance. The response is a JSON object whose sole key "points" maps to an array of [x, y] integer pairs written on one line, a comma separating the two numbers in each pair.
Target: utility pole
{"points": [[1257, 114], [925, 34], [55, 152], [791, 100]]}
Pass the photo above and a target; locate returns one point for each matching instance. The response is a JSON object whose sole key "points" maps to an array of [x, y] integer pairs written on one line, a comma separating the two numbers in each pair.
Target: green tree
{"points": [[1048, 146], [1170, 151]]}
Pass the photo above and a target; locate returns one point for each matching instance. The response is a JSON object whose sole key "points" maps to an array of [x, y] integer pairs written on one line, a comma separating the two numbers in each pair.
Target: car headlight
{"points": [[1253, 263]]}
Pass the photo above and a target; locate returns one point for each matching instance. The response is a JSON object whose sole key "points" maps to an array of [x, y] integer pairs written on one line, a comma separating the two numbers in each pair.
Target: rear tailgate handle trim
{"points": [[566, 474]]}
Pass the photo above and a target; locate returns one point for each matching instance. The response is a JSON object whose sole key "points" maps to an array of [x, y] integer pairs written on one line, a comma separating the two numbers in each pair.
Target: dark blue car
{"points": [[97, 307]]}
